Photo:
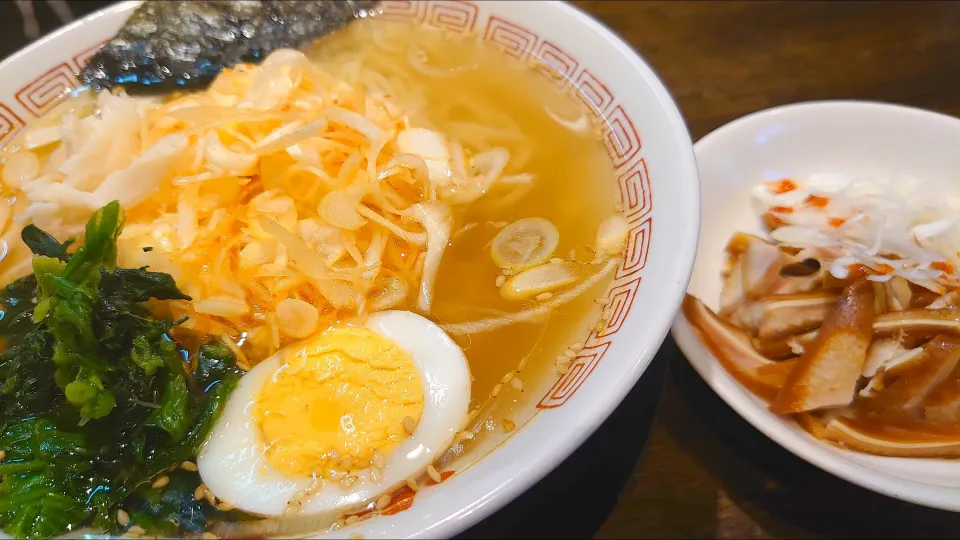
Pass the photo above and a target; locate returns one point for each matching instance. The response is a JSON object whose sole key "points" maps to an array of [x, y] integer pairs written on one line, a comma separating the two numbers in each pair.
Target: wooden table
{"points": [[706, 473]]}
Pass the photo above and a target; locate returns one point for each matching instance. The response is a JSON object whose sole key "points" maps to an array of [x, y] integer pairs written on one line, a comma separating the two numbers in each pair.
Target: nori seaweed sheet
{"points": [[182, 45]]}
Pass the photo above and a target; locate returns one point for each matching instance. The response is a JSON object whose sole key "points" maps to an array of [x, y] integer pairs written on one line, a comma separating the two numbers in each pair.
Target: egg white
{"points": [[232, 462]]}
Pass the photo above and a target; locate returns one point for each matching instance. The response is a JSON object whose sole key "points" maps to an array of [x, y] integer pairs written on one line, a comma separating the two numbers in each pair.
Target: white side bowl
{"points": [[651, 149], [868, 140]]}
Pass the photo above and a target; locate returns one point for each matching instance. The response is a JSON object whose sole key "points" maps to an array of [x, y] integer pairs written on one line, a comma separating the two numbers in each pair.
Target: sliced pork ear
{"points": [[947, 300], [732, 294], [731, 346], [918, 322], [788, 347], [881, 351], [924, 298], [760, 264], [879, 298], [899, 295], [942, 405], [890, 442], [916, 376], [787, 315], [827, 373]]}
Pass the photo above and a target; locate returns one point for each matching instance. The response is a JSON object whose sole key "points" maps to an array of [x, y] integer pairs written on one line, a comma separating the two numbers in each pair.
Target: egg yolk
{"points": [[337, 399]]}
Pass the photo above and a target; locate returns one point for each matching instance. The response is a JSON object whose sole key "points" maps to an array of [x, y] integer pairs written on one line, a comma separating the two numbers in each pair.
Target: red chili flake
{"points": [[943, 266], [817, 201], [400, 502], [285, 107], [836, 222], [443, 476], [857, 270], [884, 268], [782, 209], [783, 186]]}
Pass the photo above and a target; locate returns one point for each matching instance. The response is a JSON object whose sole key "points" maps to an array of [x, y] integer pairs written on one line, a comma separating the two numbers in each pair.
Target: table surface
{"points": [[706, 473]]}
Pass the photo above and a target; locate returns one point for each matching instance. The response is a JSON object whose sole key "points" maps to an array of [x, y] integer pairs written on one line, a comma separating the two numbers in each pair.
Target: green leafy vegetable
{"points": [[96, 400]]}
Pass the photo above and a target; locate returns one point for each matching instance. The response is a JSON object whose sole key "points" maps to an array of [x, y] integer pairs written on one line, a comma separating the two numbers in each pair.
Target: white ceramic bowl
{"points": [[651, 149], [848, 137]]}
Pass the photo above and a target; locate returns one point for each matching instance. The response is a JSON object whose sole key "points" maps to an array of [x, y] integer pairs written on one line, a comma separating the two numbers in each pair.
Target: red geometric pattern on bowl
{"points": [[621, 139], [556, 63], [638, 245], [10, 123], [81, 59], [46, 89], [621, 302], [403, 10], [593, 93], [580, 368], [459, 17], [634, 185], [514, 39]]}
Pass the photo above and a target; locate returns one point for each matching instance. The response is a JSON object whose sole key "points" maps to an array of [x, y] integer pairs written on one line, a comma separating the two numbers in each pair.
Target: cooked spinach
{"points": [[96, 400]]}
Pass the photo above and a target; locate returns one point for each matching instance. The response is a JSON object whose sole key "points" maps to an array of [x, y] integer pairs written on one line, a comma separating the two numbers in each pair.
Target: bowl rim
{"points": [[638, 355], [799, 443]]}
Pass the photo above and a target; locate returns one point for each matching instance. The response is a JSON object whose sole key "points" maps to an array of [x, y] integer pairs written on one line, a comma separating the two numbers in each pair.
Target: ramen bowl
{"points": [[656, 177]]}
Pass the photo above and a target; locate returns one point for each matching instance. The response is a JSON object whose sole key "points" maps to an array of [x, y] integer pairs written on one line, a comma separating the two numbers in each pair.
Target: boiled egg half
{"points": [[338, 419]]}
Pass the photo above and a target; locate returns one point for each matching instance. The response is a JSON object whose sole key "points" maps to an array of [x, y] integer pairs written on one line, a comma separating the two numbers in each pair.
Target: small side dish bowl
{"points": [[852, 138]]}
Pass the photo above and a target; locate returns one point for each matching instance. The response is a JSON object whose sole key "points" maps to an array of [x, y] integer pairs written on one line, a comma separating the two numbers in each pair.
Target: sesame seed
{"points": [[563, 368], [383, 501], [434, 474], [556, 260], [596, 260], [590, 249], [607, 314], [225, 507], [123, 518], [569, 354], [189, 466], [506, 378], [209, 536], [602, 301], [544, 296], [496, 391], [161, 482], [136, 529], [210, 498], [412, 484], [508, 425], [522, 364], [517, 384], [378, 460], [561, 359], [409, 424], [573, 254], [352, 519], [348, 482], [565, 361], [501, 280], [577, 346], [199, 492]]}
